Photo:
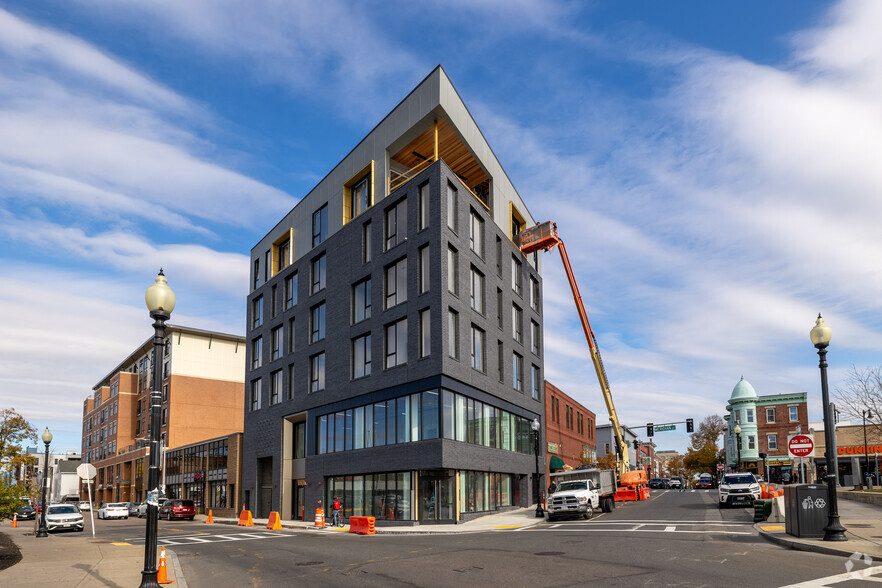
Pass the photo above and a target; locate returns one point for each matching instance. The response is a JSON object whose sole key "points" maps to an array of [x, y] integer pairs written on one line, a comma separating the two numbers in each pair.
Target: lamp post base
{"points": [[540, 514], [834, 531], [149, 579], [41, 532]]}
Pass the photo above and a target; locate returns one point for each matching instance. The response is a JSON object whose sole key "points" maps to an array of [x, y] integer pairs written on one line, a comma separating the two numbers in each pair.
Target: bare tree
{"points": [[862, 391]]}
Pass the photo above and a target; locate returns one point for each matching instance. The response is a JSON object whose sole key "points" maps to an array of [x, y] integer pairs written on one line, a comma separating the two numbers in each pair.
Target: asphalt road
{"points": [[673, 539]]}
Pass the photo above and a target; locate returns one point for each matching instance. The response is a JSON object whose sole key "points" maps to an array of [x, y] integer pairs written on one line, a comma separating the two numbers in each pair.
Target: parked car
{"points": [[674, 483], [61, 517], [657, 483], [114, 510], [705, 481], [26, 513], [177, 508], [133, 508], [738, 490], [84, 505]]}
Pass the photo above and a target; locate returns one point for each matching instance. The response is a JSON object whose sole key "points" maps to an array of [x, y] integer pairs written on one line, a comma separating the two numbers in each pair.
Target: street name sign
{"points": [[800, 446], [665, 427]]}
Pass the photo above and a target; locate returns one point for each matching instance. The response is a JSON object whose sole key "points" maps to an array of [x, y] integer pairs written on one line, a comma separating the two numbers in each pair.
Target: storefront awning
{"points": [[555, 463]]}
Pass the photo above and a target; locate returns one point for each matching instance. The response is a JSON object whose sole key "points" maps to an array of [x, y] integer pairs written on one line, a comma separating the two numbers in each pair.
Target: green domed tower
{"points": [[742, 410]]}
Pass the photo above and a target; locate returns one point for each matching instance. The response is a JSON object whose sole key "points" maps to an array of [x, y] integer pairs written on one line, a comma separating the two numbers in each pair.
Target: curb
{"points": [[786, 541], [180, 580]]}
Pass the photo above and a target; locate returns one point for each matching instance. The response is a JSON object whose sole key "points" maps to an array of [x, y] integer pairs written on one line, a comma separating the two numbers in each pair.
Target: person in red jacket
{"points": [[337, 507]]}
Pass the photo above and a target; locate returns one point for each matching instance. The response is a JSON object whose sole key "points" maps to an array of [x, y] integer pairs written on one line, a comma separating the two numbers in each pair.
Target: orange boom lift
{"points": [[544, 236]]}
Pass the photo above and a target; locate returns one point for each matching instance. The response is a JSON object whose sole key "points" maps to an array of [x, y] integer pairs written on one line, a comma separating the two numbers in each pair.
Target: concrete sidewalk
{"points": [[66, 561], [511, 519], [863, 524]]}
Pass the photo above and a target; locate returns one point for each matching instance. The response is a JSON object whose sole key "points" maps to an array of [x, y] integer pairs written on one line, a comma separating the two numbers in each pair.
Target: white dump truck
{"points": [[581, 493]]}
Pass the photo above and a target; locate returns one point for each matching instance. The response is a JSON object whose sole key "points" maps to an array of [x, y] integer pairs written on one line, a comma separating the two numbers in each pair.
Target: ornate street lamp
{"points": [[43, 531], [160, 301], [535, 425], [821, 335], [738, 441]]}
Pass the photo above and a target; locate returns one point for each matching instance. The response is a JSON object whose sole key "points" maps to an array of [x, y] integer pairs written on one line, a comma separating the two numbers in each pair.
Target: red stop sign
{"points": [[801, 445]]}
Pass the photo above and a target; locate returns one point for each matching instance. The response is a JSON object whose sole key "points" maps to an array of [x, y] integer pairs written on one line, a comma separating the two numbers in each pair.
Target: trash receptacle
{"points": [[806, 508], [869, 482], [762, 510]]}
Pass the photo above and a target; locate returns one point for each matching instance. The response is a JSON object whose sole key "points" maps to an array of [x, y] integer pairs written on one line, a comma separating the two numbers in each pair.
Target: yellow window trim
{"points": [[514, 213], [274, 262], [347, 190]]}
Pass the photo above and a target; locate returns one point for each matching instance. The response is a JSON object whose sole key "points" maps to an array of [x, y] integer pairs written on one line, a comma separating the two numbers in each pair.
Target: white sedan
{"points": [[114, 510]]}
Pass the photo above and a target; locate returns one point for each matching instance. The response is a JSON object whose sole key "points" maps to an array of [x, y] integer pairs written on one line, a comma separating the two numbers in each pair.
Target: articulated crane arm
{"points": [[544, 236]]}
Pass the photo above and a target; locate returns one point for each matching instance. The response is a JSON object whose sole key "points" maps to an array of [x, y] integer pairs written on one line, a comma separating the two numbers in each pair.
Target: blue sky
{"points": [[713, 168]]}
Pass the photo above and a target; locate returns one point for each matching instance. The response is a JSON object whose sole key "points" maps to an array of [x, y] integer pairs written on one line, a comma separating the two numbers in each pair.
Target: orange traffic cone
{"points": [[210, 519], [14, 520], [162, 575]]}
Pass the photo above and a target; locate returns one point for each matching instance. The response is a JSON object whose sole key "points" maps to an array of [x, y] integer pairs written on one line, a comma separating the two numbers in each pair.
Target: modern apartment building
{"points": [[405, 253], [202, 398], [571, 438]]}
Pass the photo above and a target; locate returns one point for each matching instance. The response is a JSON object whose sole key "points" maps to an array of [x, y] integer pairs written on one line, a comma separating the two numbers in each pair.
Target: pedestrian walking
{"points": [[682, 483]]}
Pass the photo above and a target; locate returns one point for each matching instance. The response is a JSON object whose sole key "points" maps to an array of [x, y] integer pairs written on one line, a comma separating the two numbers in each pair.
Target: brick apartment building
{"points": [[202, 399], [766, 422], [404, 252], [570, 436]]}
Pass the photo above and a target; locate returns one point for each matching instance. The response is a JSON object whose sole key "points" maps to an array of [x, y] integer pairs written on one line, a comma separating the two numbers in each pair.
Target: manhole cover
{"points": [[860, 525], [549, 553]]}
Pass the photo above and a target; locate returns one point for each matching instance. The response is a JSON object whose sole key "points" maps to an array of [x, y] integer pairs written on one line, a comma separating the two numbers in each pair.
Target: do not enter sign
{"points": [[801, 446]]}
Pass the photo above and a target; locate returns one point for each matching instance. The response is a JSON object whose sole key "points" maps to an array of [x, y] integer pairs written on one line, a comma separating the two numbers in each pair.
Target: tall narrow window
{"points": [[361, 356], [424, 269], [290, 291], [500, 309], [476, 233], [317, 323], [478, 339], [517, 323], [366, 243], [257, 353], [500, 361], [770, 415], [256, 274], [396, 283], [794, 413], [517, 372], [453, 334], [424, 206], [291, 335], [278, 337], [396, 224], [274, 301], [536, 383], [425, 333], [291, 381], [359, 197], [516, 275], [451, 206], [255, 394], [319, 273], [534, 337], [361, 301], [499, 256], [476, 290], [276, 387], [317, 372], [396, 343], [534, 294], [320, 225], [257, 312], [452, 266], [284, 254]]}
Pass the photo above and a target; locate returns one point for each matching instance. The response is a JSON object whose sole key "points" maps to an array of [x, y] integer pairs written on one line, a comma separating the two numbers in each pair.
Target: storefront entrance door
{"points": [[437, 496]]}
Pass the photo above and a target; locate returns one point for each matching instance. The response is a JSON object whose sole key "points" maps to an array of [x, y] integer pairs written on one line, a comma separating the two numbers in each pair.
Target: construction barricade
{"points": [[275, 522], [245, 519], [320, 518], [362, 525]]}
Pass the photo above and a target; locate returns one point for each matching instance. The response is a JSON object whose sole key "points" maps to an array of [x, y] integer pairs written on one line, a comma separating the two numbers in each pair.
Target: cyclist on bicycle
{"points": [[338, 521]]}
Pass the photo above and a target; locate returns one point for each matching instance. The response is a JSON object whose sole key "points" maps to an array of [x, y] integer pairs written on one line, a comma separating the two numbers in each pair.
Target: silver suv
{"points": [[739, 490]]}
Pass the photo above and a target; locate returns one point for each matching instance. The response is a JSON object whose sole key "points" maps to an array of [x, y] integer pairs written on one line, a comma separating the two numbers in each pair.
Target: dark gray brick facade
{"points": [[264, 427]]}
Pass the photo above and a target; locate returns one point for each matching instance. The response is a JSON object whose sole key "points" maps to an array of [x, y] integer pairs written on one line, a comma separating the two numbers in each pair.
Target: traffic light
{"points": [[649, 430], [637, 445], [689, 427]]}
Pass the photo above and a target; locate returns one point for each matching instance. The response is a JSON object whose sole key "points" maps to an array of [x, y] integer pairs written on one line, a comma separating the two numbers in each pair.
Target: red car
{"points": [[177, 508]]}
